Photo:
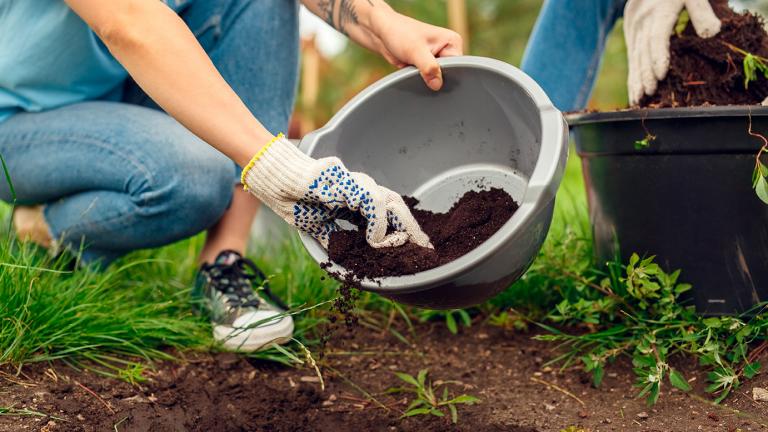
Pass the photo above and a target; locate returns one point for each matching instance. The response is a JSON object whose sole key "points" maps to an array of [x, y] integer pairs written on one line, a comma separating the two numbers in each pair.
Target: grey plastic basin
{"points": [[490, 126]]}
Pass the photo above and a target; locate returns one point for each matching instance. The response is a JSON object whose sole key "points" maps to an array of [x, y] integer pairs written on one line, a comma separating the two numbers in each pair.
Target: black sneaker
{"points": [[242, 320]]}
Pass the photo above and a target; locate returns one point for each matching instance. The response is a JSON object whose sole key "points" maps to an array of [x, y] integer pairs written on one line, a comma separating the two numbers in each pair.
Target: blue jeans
{"points": [[564, 51], [119, 176]]}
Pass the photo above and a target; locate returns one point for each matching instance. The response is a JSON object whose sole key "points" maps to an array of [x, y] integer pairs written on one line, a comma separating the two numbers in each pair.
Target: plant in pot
{"points": [[671, 177]]}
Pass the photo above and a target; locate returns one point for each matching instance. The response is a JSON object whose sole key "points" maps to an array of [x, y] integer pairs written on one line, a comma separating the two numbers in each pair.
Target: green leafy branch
{"points": [[637, 311], [645, 142], [760, 172], [647, 139], [427, 401], [751, 63]]}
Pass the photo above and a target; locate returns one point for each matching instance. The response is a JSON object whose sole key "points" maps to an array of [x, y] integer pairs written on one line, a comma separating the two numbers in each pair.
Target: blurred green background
{"points": [[497, 28]]}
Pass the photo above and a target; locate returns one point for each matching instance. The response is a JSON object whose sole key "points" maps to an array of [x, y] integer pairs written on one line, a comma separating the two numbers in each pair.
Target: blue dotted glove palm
{"points": [[312, 193]]}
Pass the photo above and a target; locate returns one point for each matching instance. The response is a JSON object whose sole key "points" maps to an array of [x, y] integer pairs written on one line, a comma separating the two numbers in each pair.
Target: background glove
{"points": [[648, 27], [312, 193]]}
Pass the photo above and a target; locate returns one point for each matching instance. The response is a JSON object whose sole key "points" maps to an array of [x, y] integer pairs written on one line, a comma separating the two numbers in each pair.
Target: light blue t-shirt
{"points": [[49, 57]]}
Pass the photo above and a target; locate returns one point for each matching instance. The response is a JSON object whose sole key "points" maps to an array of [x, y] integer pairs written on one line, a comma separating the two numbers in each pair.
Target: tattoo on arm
{"points": [[326, 8], [347, 15], [340, 14]]}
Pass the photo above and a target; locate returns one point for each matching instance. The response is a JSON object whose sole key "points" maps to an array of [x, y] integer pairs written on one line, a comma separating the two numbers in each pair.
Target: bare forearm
{"points": [[401, 40], [165, 59], [354, 18]]}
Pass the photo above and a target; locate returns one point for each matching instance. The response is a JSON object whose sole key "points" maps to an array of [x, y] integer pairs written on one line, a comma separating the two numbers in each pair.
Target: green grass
{"points": [[131, 311], [140, 306]]}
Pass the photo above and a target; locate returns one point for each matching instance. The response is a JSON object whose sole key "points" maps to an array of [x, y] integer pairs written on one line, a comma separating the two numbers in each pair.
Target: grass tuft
{"points": [[132, 310]]}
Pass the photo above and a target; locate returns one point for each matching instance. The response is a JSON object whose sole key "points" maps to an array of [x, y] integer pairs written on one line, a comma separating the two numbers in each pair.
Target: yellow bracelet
{"points": [[256, 157]]}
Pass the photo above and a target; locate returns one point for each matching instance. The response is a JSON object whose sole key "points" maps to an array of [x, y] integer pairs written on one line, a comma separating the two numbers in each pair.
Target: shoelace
{"points": [[235, 281]]}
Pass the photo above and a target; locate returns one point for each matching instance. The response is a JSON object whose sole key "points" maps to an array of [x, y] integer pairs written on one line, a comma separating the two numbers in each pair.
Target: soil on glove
{"points": [[474, 218], [707, 71]]}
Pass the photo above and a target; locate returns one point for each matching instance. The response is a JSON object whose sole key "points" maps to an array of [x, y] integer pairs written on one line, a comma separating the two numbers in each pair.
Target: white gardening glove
{"points": [[648, 27], [311, 194]]}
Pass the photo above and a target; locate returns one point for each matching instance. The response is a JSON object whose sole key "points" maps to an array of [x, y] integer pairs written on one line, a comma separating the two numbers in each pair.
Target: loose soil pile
{"points": [[707, 71], [474, 218], [506, 370]]}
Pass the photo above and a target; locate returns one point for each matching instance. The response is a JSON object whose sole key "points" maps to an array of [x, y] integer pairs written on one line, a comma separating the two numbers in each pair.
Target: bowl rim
{"points": [[541, 188], [630, 114]]}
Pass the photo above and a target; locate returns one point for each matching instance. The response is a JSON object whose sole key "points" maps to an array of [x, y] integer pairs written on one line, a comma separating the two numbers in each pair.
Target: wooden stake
{"points": [[310, 84], [457, 20]]}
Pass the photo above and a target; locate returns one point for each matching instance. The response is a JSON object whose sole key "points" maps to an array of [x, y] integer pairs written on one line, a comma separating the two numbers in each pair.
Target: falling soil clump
{"points": [[474, 218], [344, 308], [710, 71], [345, 304]]}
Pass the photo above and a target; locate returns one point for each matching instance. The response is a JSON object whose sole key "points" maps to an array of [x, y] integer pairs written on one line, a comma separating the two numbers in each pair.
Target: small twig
{"points": [[368, 402], [757, 352], [366, 353], [50, 373], [390, 321], [12, 379], [93, 393], [741, 51], [20, 368], [648, 133], [763, 149], [119, 423], [369, 396], [694, 83], [354, 399], [753, 133], [749, 399], [560, 389], [731, 64]]}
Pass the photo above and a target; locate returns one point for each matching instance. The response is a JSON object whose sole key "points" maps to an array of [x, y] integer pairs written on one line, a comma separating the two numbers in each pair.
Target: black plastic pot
{"points": [[687, 198]]}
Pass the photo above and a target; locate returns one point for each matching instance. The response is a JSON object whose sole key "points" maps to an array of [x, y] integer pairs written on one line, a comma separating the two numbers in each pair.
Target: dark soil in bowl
{"points": [[709, 71], [474, 218]]}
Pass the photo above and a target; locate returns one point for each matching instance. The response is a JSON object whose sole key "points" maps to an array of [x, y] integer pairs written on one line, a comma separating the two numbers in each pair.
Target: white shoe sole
{"points": [[255, 339]]}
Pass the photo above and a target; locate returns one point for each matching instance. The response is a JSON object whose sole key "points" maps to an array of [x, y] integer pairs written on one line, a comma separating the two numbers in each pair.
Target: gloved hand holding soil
{"points": [[311, 194], [729, 67], [474, 218]]}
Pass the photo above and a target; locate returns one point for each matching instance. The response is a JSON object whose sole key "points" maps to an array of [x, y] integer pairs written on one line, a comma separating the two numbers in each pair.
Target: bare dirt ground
{"points": [[505, 370]]}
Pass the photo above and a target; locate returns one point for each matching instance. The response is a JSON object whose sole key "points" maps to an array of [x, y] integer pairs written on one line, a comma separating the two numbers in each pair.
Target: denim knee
{"points": [[201, 197], [190, 196]]}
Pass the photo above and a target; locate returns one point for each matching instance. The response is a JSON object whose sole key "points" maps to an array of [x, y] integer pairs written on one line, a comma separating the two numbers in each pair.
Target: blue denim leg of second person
{"points": [[120, 176], [564, 51]]}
